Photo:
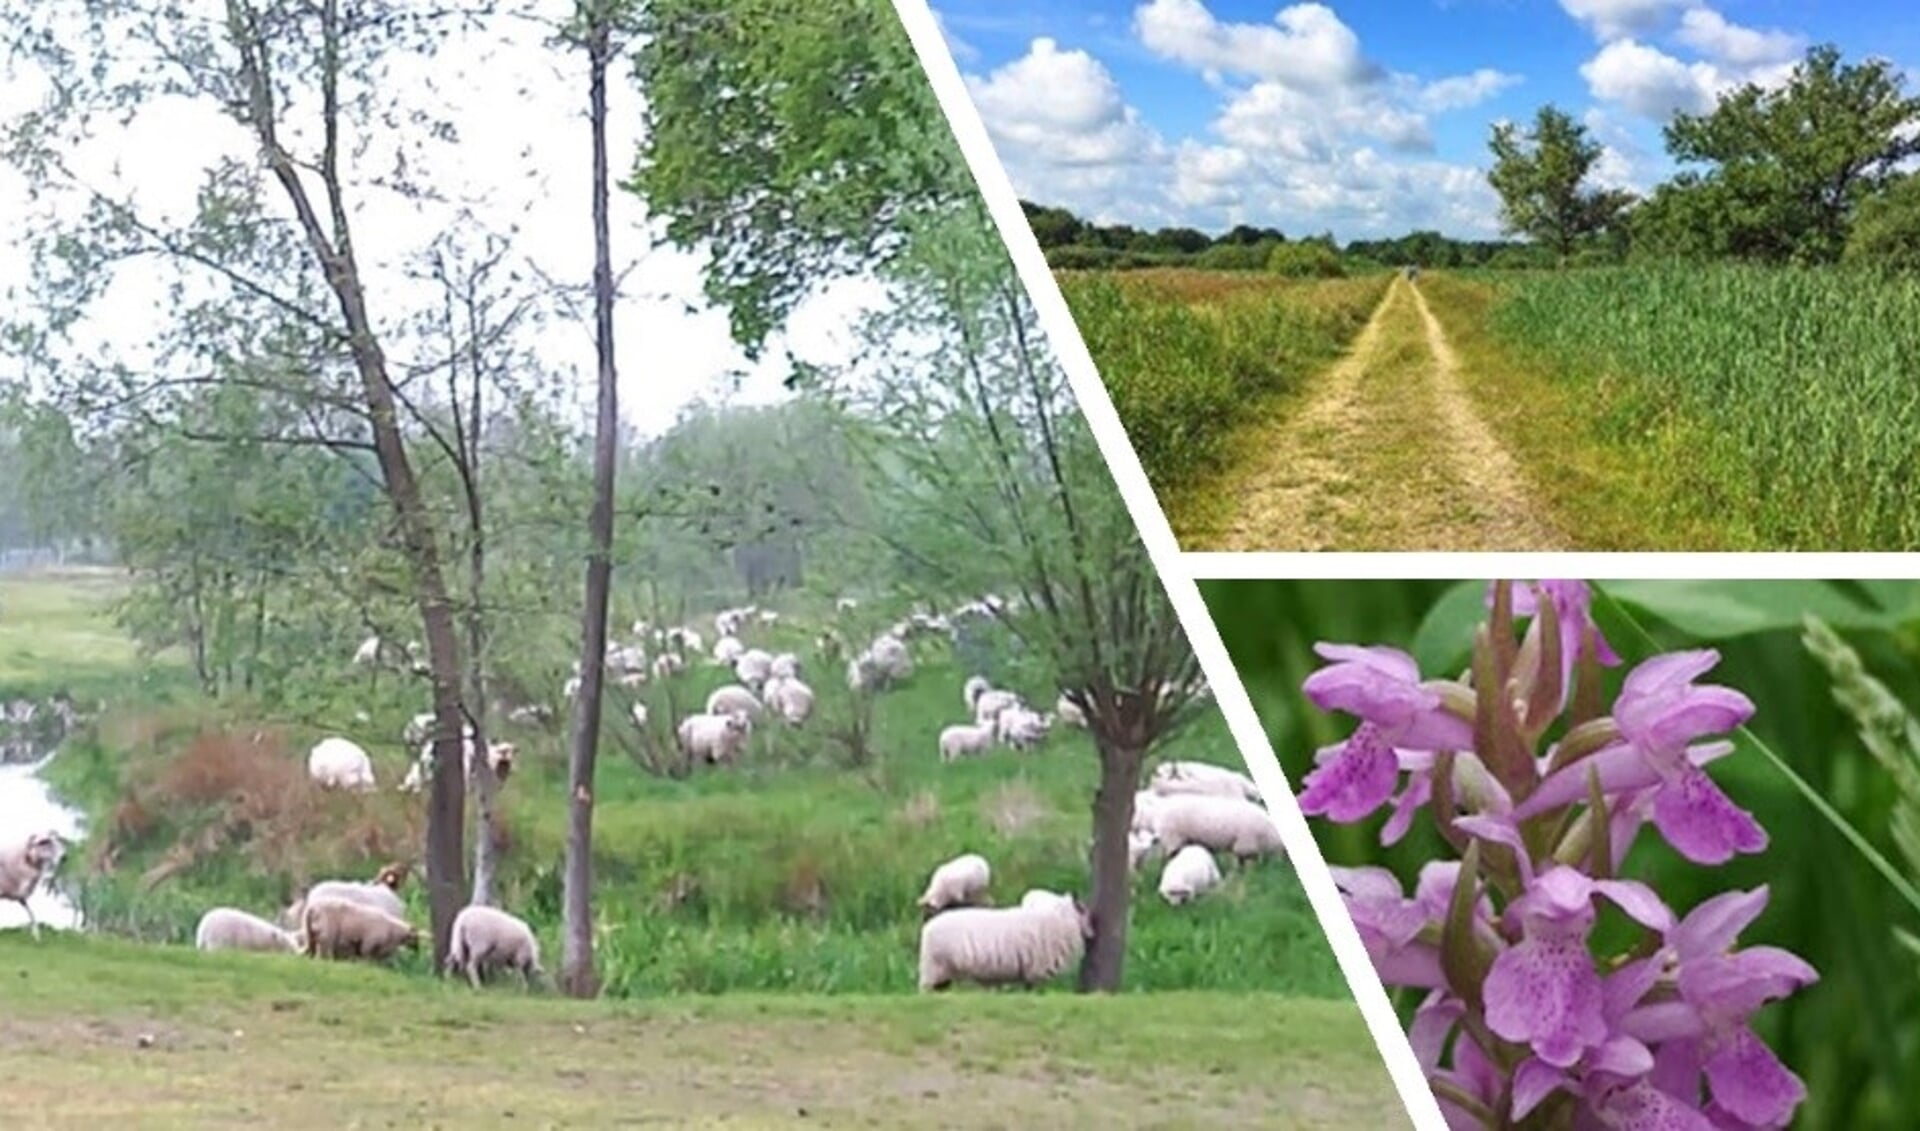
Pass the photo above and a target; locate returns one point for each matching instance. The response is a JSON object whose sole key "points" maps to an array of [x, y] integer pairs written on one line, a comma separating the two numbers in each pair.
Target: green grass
{"points": [[55, 630], [103, 1032], [1770, 408], [1186, 354], [789, 873]]}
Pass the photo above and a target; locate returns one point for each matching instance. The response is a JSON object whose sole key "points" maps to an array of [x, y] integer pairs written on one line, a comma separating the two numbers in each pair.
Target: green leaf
{"points": [[1444, 642], [1722, 610]]}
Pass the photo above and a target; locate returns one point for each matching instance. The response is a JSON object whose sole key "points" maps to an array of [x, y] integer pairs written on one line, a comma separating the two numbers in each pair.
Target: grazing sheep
{"points": [[753, 666], [1223, 824], [729, 622], [1188, 873], [1024, 945], [368, 654], [727, 649], [1070, 713], [1202, 777], [1041, 897], [792, 699], [418, 729], [989, 705], [733, 700], [963, 740], [529, 714], [336, 763], [845, 604], [228, 928], [786, 665], [570, 690], [973, 689], [626, 658], [1021, 727], [638, 712], [714, 738], [25, 866], [668, 664], [1140, 844], [685, 640], [1145, 803], [341, 928], [500, 756], [486, 940], [959, 882]]}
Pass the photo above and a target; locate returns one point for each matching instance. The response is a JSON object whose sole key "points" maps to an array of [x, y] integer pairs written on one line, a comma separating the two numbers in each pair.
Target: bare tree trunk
{"points": [[486, 841], [578, 976], [1112, 886]]}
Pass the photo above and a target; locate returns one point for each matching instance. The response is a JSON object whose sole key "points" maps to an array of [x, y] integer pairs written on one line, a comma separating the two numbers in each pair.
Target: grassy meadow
{"points": [[1188, 354], [1854, 1036], [756, 926]]}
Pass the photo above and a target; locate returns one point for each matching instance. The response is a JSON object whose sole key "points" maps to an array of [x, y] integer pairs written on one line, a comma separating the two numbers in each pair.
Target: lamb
{"points": [[336, 763], [1223, 824], [733, 700], [714, 738], [791, 698], [753, 667], [1202, 777], [959, 882], [1027, 945], [1021, 727], [963, 740], [228, 928], [340, 928], [1188, 873], [1070, 713], [487, 939], [727, 649], [786, 665], [27, 865]]}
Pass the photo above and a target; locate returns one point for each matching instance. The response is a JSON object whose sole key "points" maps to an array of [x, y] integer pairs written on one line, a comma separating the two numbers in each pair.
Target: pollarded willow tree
{"points": [[826, 156], [264, 282]]}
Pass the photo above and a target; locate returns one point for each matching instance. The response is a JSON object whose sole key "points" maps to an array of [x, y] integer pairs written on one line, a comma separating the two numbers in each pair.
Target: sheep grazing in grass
{"points": [[1140, 845], [25, 866], [1202, 777], [668, 664], [638, 713], [1187, 874], [1026, 945], [487, 940], [846, 604], [965, 740], [1222, 824], [1021, 727], [886, 661], [336, 763], [791, 699], [733, 700], [714, 738], [727, 649], [228, 928], [785, 665], [960, 882], [500, 758], [341, 928], [1069, 712], [990, 703], [753, 667]]}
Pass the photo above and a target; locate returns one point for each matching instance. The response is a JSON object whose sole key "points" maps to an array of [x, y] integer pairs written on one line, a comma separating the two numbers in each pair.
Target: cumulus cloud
{"points": [[1622, 19], [1709, 33], [1306, 47], [1063, 106], [1649, 81], [1463, 91]]}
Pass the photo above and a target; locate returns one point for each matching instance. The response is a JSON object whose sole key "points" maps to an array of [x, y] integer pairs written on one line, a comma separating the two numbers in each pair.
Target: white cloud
{"points": [[1462, 91], [1306, 47], [1622, 19], [1648, 81], [1709, 33], [1063, 107], [1310, 127]]}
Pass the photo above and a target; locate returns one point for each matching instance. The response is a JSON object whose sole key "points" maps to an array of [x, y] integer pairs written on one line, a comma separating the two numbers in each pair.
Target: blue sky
{"points": [[1362, 117]]}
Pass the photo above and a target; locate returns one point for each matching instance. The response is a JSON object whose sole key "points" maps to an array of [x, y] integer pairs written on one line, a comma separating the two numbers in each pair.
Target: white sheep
{"points": [[1145, 803], [1140, 845], [727, 649], [791, 699], [990, 704], [733, 700], [965, 739], [25, 866], [1187, 874], [487, 939], [1021, 727], [339, 928], [1070, 713], [500, 756], [753, 666], [685, 640], [626, 658], [1202, 777], [846, 604], [960, 881], [668, 664], [381, 893], [785, 665], [1223, 824], [638, 712], [229, 928], [714, 738], [336, 763], [1025, 945]]}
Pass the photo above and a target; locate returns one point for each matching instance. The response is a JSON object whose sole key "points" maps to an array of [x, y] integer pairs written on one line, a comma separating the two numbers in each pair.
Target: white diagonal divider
{"points": [[1064, 339]]}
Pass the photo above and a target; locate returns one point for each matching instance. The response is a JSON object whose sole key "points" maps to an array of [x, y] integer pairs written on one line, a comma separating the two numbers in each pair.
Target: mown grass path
{"points": [[1385, 452]]}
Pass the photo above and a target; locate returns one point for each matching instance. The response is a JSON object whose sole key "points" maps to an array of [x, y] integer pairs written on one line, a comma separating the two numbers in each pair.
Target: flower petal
{"points": [[1643, 1107], [1622, 767], [1432, 1023], [1354, 782], [1712, 927], [1547, 995], [1750, 1082], [1701, 822], [1406, 807], [1534, 1081], [1639, 901]]}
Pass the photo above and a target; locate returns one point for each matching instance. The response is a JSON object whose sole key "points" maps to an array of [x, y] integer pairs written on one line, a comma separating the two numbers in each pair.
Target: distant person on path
{"points": [[1413, 273]]}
